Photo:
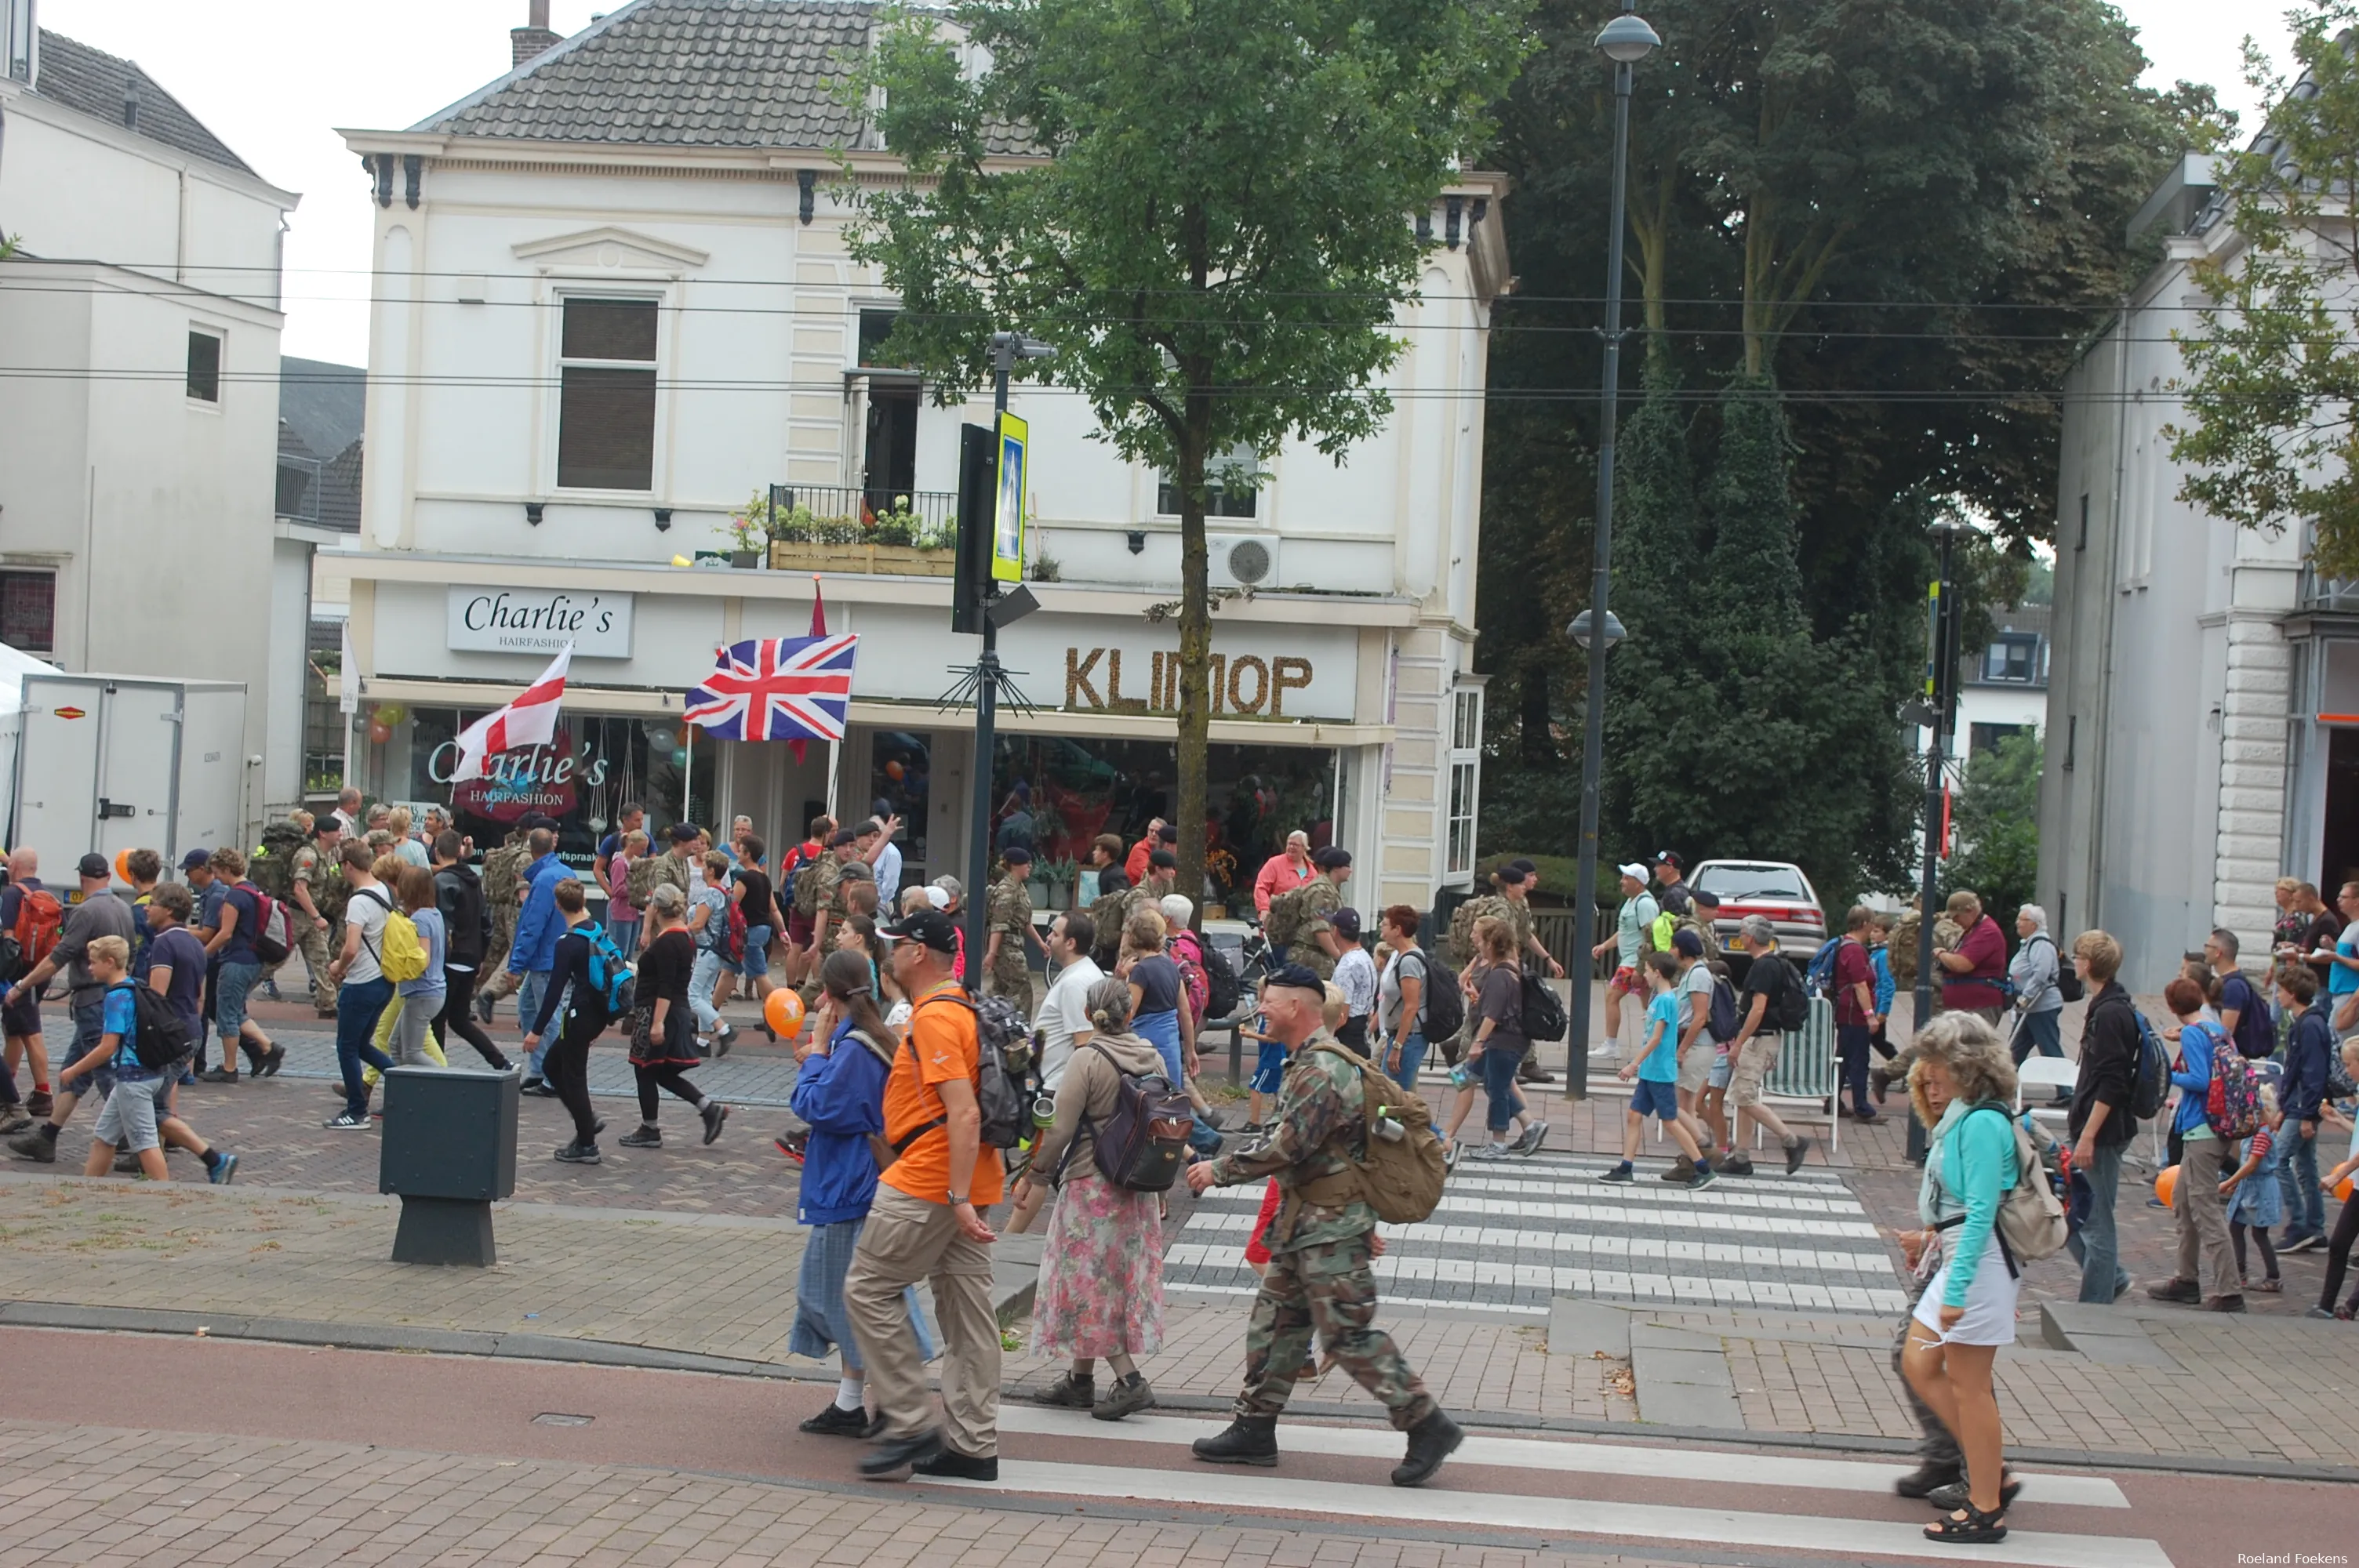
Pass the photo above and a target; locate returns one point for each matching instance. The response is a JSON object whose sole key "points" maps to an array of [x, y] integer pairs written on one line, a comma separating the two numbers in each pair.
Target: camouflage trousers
{"points": [[496, 957], [1001, 982], [1329, 1289], [314, 949]]}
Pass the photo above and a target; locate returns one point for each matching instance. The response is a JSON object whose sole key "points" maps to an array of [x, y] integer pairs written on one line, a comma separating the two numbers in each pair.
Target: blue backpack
{"points": [[1819, 980], [611, 975]]}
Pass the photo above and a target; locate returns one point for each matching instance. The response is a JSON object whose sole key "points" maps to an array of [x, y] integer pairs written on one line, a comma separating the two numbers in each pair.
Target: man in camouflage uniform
{"points": [[1311, 940], [316, 887], [826, 893], [1509, 900], [1110, 911], [1320, 1245], [1008, 913], [504, 896]]}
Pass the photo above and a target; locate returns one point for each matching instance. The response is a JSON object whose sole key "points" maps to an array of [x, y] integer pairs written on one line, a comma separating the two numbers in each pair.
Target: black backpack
{"points": [[159, 1037], [466, 919], [1792, 1005], [1144, 1141], [1543, 1010], [1222, 989], [1004, 1060], [1441, 1009]]}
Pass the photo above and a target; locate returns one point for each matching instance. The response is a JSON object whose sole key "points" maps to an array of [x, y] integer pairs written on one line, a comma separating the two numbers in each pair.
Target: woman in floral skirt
{"points": [[1101, 1292]]}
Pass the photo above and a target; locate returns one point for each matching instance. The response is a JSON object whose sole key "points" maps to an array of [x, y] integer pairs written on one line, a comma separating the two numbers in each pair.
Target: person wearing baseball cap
{"points": [[927, 1224], [1320, 1247], [99, 913], [1670, 877], [1636, 911]]}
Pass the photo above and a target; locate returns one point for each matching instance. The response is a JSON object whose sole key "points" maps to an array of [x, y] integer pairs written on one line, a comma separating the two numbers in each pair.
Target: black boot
{"points": [[1921, 1481], [1250, 1440], [1430, 1441]]}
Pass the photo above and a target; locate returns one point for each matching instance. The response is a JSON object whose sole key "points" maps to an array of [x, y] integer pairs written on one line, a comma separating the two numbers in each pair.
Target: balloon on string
{"points": [[379, 731], [2341, 1189], [122, 864], [894, 770], [2166, 1182], [391, 714], [680, 758], [783, 1011], [663, 739]]}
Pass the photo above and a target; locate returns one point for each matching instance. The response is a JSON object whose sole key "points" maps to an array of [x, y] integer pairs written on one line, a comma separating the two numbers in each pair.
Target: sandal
{"points": [[2266, 1287], [1968, 1527]]}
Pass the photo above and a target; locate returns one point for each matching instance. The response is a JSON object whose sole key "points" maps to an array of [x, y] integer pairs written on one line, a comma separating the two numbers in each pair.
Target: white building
{"points": [[2204, 696], [139, 414], [615, 302]]}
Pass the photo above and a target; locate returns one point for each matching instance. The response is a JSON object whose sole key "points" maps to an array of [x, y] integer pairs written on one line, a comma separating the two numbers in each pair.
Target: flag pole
{"points": [[687, 772]]}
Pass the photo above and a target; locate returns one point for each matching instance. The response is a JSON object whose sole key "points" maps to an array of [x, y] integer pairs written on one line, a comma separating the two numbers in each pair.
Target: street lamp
{"points": [[1625, 40]]}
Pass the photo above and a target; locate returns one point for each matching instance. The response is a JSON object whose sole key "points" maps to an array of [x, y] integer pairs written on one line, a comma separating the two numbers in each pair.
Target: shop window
{"points": [[606, 415], [900, 780], [1465, 781], [28, 612], [1229, 488], [204, 366]]}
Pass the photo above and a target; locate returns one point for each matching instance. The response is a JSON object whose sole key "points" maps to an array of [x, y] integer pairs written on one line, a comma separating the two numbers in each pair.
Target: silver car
{"points": [[1777, 888]]}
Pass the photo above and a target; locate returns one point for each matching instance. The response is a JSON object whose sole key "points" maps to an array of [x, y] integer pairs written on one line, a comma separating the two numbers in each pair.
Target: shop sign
{"points": [[539, 620], [546, 779], [1241, 685]]}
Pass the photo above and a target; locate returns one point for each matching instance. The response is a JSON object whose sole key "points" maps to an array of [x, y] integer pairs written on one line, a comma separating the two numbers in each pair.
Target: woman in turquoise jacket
{"points": [[1968, 1309]]}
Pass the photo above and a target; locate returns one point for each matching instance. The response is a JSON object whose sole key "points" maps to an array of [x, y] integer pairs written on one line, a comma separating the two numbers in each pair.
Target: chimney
{"points": [[131, 104], [533, 38]]}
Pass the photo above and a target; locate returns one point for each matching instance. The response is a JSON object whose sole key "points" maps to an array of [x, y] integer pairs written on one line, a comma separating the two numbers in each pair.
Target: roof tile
{"points": [[96, 83]]}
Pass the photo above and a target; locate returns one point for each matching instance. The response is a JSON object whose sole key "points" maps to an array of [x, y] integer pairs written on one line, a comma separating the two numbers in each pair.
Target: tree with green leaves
{"points": [[1205, 206], [2272, 384], [1996, 819]]}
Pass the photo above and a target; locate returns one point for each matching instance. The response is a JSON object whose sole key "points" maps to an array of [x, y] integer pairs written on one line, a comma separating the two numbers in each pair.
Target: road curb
{"points": [[610, 1353]]}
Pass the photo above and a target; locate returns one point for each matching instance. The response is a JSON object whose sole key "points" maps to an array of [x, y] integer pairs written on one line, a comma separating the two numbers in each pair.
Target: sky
{"points": [[273, 78]]}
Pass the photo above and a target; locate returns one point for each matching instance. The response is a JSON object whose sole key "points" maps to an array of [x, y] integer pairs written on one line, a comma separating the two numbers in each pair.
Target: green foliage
{"points": [[1995, 815], [754, 524], [2273, 366], [1205, 206]]}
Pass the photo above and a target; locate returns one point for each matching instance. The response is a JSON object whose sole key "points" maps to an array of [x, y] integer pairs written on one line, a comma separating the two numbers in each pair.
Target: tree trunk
{"points": [[1195, 652]]}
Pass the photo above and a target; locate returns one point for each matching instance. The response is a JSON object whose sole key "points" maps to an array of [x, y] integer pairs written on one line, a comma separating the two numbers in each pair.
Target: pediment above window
{"points": [[610, 250]]}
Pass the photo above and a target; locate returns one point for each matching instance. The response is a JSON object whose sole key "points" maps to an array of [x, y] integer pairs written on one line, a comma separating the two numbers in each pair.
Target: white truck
{"points": [[115, 763]]}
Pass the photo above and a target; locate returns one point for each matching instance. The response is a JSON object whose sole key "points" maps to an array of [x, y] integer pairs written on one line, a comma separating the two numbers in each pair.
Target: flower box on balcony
{"points": [[906, 560]]}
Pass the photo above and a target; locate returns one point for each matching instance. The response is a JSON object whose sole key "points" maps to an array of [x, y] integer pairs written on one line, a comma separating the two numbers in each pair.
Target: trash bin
{"points": [[448, 1151]]}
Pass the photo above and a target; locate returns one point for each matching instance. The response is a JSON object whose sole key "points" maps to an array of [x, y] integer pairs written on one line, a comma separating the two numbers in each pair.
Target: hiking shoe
{"points": [[958, 1466], [1702, 1177], [1738, 1165], [1430, 1441], [714, 1113], [646, 1137], [836, 1421], [37, 1105], [31, 1145], [12, 1119], [1952, 1496], [1534, 1136], [580, 1153], [721, 1044], [484, 1006], [1679, 1172], [1249, 1440], [1621, 1175], [1879, 1080], [894, 1454], [126, 1163], [2225, 1303], [1794, 1152], [1928, 1478], [1069, 1391], [2186, 1291], [1487, 1151], [223, 1172], [1531, 1072], [1127, 1396], [274, 1059], [219, 1075], [348, 1122]]}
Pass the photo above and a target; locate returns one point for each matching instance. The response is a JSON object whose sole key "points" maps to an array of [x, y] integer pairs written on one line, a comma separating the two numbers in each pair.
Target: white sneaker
{"points": [[1606, 1048]]}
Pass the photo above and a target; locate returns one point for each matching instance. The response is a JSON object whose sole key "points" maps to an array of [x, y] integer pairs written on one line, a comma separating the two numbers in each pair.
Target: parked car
{"points": [[1774, 887]]}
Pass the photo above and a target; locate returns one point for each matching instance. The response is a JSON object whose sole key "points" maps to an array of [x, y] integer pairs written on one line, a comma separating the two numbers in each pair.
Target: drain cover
{"points": [[554, 1418]]}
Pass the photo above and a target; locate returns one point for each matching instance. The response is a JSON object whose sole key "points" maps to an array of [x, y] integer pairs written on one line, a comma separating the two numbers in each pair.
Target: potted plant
{"points": [[749, 534], [1058, 875]]}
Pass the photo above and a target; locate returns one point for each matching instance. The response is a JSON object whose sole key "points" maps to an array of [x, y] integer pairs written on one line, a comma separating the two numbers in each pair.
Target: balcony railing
{"points": [[845, 514], [2332, 594]]}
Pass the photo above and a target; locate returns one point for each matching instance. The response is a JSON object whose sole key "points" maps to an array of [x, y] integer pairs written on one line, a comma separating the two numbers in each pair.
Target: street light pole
{"points": [[1943, 608], [1625, 40]]}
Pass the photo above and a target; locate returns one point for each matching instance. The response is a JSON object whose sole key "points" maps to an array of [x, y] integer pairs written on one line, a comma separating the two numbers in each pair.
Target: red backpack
{"points": [[1188, 952], [273, 931], [40, 919]]}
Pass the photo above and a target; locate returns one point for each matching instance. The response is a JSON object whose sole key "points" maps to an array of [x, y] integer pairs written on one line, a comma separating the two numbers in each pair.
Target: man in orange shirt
{"points": [[927, 1224], [1160, 835]]}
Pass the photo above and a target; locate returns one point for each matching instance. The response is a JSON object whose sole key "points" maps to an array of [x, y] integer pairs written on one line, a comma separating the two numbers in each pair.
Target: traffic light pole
{"points": [[977, 915], [1941, 696]]}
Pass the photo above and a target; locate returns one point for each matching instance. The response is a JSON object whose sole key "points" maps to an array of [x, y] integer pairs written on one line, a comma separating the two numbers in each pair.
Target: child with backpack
{"points": [[137, 1101], [586, 973], [1117, 1143], [2207, 1274], [2251, 1192], [1656, 1069]]}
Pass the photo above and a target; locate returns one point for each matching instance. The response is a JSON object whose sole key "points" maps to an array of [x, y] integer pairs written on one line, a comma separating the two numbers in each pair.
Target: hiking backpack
{"points": [[1222, 991], [611, 976], [2231, 1106], [2067, 978], [1722, 1023], [40, 920], [158, 1037], [273, 931], [1400, 1178], [732, 933], [2152, 1083], [808, 893], [639, 881], [2030, 1223], [1144, 1140], [1004, 1063], [2257, 1027], [1283, 925], [399, 953], [1543, 1010], [1818, 979], [1441, 1009]]}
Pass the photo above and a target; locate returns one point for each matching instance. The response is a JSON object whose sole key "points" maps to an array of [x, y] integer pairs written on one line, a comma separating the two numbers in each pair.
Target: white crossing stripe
{"points": [[1816, 1534], [1598, 1213], [1391, 1299], [1648, 1192], [1616, 1245], [1685, 1288], [1685, 1462]]}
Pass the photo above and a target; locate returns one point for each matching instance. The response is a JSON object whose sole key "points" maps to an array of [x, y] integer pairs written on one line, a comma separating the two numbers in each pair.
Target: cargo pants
{"points": [[1329, 1290]]}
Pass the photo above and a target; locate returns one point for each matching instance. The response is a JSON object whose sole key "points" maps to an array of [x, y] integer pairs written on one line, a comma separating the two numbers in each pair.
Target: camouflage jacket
{"points": [[818, 886], [1009, 913], [504, 875], [1490, 906], [1321, 1113], [1319, 898], [1109, 913], [324, 875]]}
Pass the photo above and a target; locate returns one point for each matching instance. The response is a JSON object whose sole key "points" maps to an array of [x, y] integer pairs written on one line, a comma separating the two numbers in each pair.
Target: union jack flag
{"points": [[778, 689]]}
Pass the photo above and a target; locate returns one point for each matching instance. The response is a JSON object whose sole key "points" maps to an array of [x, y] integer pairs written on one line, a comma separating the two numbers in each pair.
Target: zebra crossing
{"points": [[1745, 1499], [1510, 1235]]}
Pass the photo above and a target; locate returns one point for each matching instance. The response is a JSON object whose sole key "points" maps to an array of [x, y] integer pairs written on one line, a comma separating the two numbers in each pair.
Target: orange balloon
{"points": [[122, 864], [2343, 1189], [2166, 1182], [894, 770], [784, 1013]]}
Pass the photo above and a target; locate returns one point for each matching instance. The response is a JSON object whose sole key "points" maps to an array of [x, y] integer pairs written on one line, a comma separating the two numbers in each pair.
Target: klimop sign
{"points": [[539, 621]]}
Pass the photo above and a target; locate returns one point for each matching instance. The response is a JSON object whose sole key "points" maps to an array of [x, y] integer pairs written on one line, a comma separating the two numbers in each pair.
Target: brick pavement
{"points": [[106, 1497]]}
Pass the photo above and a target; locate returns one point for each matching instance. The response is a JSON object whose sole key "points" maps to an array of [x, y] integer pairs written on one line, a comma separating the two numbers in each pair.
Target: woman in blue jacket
{"points": [[840, 1091], [2207, 1272], [1968, 1309]]}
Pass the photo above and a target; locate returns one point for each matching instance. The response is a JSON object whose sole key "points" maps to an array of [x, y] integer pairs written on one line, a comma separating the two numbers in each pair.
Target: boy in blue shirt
{"points": [[129, 1120], [1658, 1071]]}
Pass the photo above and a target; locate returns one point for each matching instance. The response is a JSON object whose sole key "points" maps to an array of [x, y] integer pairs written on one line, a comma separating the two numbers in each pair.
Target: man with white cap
{"points": [[1637, 911]]}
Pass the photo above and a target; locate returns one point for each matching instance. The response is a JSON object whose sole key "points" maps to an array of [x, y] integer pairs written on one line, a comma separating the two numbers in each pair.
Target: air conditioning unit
{"points": [[1242, 561]]}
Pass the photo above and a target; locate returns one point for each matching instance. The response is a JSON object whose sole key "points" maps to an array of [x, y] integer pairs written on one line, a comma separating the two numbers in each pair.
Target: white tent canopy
{"points": [[15, 666]]}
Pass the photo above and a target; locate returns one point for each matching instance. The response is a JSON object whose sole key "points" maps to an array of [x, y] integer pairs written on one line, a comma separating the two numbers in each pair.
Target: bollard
{"points": [[448, 1151]]}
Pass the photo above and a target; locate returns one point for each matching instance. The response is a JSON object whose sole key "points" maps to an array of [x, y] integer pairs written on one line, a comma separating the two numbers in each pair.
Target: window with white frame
{"points": [[1466, 778], [606, 380], [1229, 487]]}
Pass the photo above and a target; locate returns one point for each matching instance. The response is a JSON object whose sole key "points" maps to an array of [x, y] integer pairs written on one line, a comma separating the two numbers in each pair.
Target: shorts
{"points": [[1695, 1067], [757, 950], [1755, 1061], [89, 1020], [127, 1121], [1656, 1097], [1269, 1072], [236, 978], [801, 928], [1720, 1068], [1625, 981], [23, 1016]]}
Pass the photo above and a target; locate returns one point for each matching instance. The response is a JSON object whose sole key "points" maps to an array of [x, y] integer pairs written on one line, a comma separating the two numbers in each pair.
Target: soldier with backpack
{"points": [[503, 893], [30, 920], [1119, 1139], [1323, 1149]]}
